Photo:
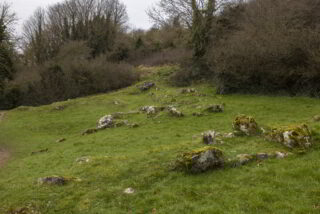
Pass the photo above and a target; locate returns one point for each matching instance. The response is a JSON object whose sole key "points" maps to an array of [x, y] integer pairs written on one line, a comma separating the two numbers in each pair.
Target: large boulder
{"points": [[245, 125], [146, 86], [105, 122], [201, 160], [295, 136]]}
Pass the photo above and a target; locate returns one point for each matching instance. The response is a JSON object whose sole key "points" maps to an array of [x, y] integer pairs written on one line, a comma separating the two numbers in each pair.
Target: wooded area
{"points": [[82, 47]]}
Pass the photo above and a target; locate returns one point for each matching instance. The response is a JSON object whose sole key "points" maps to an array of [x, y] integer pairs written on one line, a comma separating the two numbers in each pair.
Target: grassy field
{"points": [[141, 158]]}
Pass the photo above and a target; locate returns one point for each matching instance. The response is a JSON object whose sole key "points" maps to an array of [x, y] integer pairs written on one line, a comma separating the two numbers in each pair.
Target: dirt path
{"points": [[4, 154]]}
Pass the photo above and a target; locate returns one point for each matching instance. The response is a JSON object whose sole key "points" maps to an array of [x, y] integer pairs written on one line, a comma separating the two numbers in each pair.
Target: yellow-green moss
{"points": [[248, 122]]}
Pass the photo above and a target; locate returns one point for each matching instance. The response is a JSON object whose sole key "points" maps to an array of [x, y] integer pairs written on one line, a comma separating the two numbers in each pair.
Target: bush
{"points": [[274, 49], [71, 74]]}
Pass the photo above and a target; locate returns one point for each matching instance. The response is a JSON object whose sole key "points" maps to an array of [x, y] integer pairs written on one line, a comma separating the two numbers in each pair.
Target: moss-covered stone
{"points": [[294, 136], [245, 125], [201, 160]]}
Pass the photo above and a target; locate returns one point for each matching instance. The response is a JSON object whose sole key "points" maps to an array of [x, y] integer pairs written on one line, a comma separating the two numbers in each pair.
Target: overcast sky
{"points": [[136, 10]]}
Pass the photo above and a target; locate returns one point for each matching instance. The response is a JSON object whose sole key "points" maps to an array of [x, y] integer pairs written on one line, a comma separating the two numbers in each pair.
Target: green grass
{"points": [[142, 157]]}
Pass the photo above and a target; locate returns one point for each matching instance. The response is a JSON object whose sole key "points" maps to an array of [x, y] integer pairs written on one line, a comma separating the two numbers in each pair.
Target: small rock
{"points": [[105, 122], [209, 137], [54, 180], [146, 86], [129, 191], [59, 108], [197, 114], [116, 102], [174, 112], [243, 159], [61, 140], [229, 135], [316, 118], [83, 160], [150, 110], [262, 156], [134, 125], [89, 131], [40, 151], [215, 108], [188, 90], [281, 155]]}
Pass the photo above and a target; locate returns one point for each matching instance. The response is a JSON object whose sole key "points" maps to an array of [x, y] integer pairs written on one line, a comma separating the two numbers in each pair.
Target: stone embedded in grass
{"points": [[40, 151], [61, 140], [215, 108], [105, 122], [228, 135], [188, 91], [83, 160], [281, 155], [316, 118], [146, 86], [209, 137], [245, 125], [150, 110], [89, 131], [197, 114], [54, 180], [174, 112], [262, 156], [243, 159], [129, 191], [295, 136], [201, 160]]}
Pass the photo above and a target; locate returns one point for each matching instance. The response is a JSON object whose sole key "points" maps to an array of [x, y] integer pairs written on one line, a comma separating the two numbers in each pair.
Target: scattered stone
{"points": [[105, 122], [61, 140], [150, 110], [229, 135], [316, 118], [188, 91], [262, 156], [146, 86], [197, 114], [243, 159], [174, 112], [281, 155], [60, 108], [297, 136], [40, 151], [245, 125], [134, 125], [129, 191], [116, 102], [90, 131], [215, 108], [54, 180], [83, 160], [209, 137], [201, 160]]}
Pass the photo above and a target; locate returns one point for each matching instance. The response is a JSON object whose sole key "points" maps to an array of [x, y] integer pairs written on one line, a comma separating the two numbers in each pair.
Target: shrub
{"points": [[274, 49]]}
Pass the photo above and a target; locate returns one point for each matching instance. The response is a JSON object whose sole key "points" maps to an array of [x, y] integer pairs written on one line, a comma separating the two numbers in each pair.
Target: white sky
{"points": [[136, 10]]}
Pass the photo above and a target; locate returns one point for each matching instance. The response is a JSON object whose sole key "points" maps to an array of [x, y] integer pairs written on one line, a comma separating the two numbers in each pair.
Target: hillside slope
{"points": [[141, 158]]}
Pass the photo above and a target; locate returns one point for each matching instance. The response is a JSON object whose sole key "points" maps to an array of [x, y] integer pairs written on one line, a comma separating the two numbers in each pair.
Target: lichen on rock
{"points": [[294, 136], [245, 125], [201, 160]]}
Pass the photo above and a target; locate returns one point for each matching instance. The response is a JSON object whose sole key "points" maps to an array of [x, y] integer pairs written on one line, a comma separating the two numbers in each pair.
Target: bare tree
{"points": [[165, 10], [7, 21]]}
